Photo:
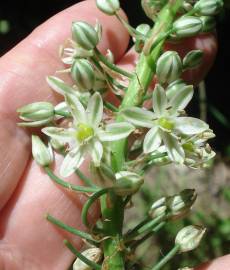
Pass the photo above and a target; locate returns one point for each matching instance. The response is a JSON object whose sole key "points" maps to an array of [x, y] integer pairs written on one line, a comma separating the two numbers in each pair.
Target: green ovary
{"points": [[165, 123], [84, 132], [189, 146]]}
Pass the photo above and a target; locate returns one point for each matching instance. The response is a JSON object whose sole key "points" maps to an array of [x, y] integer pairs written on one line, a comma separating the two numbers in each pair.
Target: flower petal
{"points": [[116, 131], [173, 147], [138, 117], [95, 110], [59, 86], [76, 108], [71, 162], [159, 100], [190, 125], [60, 134], [96, 151], [152, 140], [181, 99]]}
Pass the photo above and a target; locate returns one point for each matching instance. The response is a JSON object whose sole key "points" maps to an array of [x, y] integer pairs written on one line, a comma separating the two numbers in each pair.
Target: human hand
{"points": [[28, 241]]}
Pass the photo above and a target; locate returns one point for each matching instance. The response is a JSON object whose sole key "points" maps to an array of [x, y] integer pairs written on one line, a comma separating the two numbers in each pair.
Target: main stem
{"points": [[112, 206]]}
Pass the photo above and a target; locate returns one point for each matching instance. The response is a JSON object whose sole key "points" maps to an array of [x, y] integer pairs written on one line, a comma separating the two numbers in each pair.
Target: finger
{"points": [[22, 80], [222, 263], [39, 245]]}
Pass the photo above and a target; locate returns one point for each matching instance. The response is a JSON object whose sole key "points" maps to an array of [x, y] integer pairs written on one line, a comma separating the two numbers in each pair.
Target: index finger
{"points": [[22, 80]]}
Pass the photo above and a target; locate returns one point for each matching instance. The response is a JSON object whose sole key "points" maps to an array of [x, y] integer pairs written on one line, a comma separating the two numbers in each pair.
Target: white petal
{"points": [[159, 100], [181, 99], [60, 134], [116, 131], [71, 162], [173, 147], [152, 140], [96, 151], [95, 110], [59, 86], [76, 108], [190, 125], [138, 117]]}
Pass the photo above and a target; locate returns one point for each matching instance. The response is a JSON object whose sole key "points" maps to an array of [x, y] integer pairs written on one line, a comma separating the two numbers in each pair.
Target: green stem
{"points": [[110, 65], [92, 264], [65, 184], [137, 227], [167, 258], [84, 178], [72, 230], [110, 106]]}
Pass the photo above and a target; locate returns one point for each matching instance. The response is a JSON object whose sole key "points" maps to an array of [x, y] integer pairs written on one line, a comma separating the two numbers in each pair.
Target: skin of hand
{"points": [[27, 240]]}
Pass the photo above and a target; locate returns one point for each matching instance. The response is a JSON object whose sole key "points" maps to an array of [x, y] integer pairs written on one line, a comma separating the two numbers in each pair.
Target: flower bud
{"points": [[42, 154], [83, 74], [152, 7], [158, 208], [186, 27], [179, 205], [208, 7], [139, 40], [174, 88], [189, 237], [193, 59], [169, 67], [36, 111], [109, 7], [85, 35], [127, 183], [92, 254], [208, 23]]}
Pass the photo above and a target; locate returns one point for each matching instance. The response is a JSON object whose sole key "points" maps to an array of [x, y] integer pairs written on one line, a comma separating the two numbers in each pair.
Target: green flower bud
{"points": [[193, 59], [82, 73], [208, 23], [92, 254], [139, 40], [109, 7], [174, 87], [208, 7], [189, 237], [127, 183], [152, 7], [186, 27], [158, 208], [85, 35], [36, 111], [42, 154], [169, 67]]}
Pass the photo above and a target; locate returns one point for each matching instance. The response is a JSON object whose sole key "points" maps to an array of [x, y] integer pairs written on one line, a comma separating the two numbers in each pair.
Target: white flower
{"points": [[86, 135], [165, 123]]}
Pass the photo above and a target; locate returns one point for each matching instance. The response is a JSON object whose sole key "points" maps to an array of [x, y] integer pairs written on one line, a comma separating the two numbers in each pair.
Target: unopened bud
{"points": [[92, 254], [42, 154], [158, 208], [127, 183], [186, 27], [143, 29], [152, 7], [189, 238], [109, 7], [193, 59], [208, 7], [208, 23], [169, 67], [174, 88], [85, 35], [83, 74]]}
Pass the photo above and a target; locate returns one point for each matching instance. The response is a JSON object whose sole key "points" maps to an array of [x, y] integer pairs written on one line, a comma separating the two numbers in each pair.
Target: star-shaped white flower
{"points": [[87, 134], [165, 123]]}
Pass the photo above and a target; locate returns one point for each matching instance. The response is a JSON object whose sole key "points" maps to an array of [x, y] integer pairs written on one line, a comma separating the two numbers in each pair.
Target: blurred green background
{"points": [[19, 18]]}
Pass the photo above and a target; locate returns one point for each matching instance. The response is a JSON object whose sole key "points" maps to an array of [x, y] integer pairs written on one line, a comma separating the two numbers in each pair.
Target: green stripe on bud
{"points": [[109, 7], [193, 59], [42, 154], [85, 35], [189, 238], [127, 183], [83, 74], [186, 27], [208, 7], [208, 23], [169, 67]]}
